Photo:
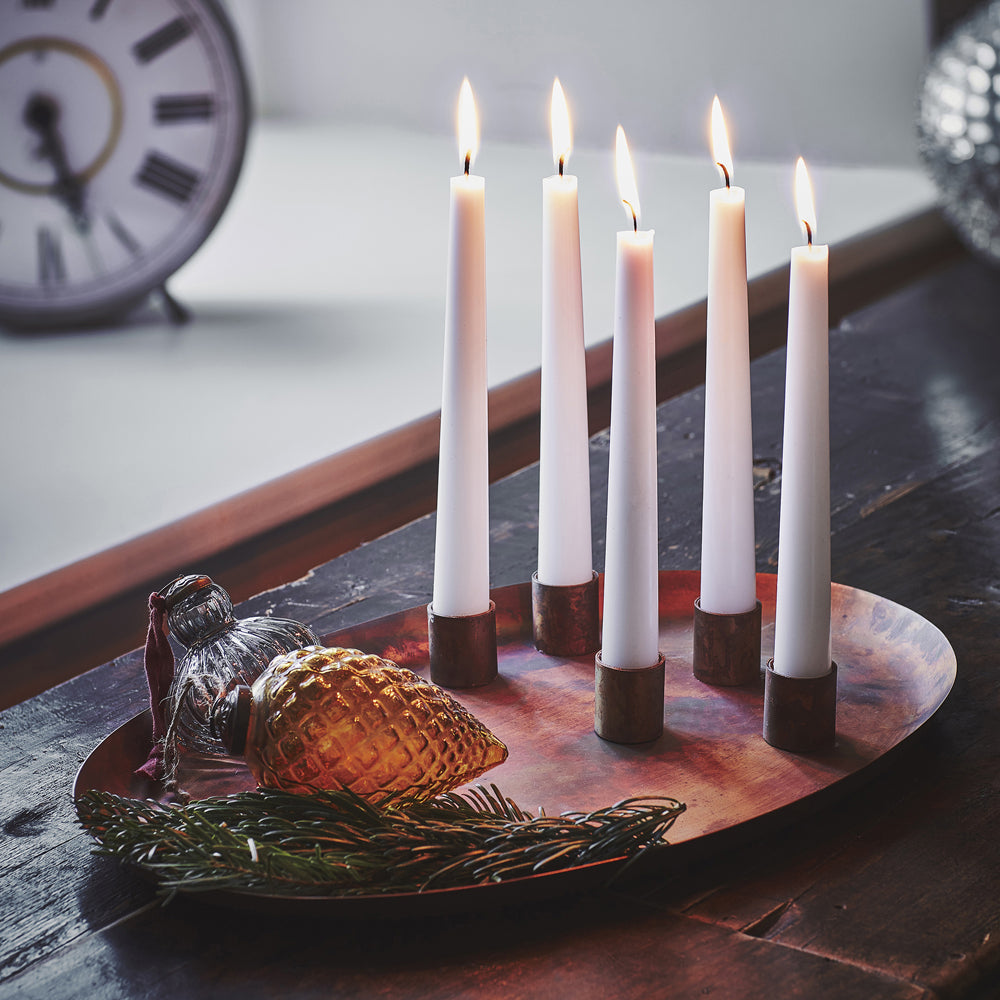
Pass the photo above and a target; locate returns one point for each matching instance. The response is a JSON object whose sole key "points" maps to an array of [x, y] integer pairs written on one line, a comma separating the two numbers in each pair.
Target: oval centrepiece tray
{"points": [[895, 670]]}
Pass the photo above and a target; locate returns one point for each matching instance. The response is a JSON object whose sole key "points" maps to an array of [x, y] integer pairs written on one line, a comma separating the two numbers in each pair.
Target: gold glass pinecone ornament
{"points": [[328, 718]]}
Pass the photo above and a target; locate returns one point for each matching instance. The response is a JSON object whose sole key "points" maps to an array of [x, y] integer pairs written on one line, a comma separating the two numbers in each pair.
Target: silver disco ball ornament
{"points": [[958, 124]]}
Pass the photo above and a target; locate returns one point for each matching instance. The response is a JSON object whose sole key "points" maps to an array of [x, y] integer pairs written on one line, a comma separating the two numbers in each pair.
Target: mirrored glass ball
{"points": [[958, 127]]}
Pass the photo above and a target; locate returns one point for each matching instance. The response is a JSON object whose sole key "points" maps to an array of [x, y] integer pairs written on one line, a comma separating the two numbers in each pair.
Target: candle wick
{"points": [[635, 219], [809, 232], [468, 163], [562, 163], [725, 173]]}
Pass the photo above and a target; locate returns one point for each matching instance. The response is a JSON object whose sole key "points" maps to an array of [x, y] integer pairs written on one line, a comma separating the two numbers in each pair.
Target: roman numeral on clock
{"points": [[167, 177], [124, 237], [175, 108], [159, 41], [51, 267]]}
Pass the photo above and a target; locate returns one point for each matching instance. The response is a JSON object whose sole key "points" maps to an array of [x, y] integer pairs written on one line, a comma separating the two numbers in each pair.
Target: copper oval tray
{"points": [[896, 669]]}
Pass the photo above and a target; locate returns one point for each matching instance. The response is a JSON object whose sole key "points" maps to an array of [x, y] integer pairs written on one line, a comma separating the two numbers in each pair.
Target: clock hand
{"points": [[41, 115]]}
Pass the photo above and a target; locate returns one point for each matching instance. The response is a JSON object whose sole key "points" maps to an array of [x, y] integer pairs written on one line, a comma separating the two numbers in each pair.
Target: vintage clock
{"points": [[122, 130]]}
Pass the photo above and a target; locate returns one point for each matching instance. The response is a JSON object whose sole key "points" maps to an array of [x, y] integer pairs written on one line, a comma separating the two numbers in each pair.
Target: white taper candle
{"points": [[728, 564], [631, 595], [564, 547], [461, 550], [802, 613]]}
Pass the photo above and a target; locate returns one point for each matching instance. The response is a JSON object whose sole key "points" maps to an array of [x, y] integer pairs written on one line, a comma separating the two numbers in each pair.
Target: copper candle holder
{"points": [[565, 618], [726, 647], [628, 704], [800, 713], [463, 648]]}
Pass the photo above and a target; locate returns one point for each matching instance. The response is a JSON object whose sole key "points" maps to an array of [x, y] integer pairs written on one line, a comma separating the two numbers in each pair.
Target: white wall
{"points": [[834, 80]]}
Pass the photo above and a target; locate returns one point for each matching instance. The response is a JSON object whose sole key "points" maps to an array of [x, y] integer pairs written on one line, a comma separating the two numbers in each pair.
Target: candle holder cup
{"points": [[800, 713], [462, 649], [565, 618], [726, 646], [628, 704]]}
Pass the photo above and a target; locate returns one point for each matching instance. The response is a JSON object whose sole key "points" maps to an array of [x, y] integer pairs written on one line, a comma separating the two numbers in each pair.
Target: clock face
{"points": [[122, 131]]}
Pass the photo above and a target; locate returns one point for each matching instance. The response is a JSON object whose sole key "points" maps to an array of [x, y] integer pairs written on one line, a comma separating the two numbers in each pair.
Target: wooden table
{"points": [[892, 892]]}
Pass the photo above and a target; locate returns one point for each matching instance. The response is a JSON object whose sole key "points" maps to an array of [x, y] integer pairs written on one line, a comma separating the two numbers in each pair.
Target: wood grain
{"points": [[592, 951]]}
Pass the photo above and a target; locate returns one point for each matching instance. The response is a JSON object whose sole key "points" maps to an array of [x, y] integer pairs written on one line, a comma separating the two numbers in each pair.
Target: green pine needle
{"points": [[338, 844]]}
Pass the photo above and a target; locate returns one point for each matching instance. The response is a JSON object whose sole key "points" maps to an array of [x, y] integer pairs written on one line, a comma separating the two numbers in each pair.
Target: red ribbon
{"points": [[159, 663]]}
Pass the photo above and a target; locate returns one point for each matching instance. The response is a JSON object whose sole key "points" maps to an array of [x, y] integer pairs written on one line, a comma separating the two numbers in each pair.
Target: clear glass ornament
{"points": [[222, 651]]}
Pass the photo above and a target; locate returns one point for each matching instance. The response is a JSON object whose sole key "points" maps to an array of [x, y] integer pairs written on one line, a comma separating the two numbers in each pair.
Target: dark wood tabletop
{"points": [[891, 891]]}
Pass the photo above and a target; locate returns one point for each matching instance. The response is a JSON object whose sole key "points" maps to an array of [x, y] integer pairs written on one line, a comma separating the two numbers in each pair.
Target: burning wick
{"points": [[626, 177]]}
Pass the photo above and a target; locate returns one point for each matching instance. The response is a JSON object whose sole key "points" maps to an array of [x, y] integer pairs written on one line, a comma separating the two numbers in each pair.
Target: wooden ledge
{"points": [[278, 531]]}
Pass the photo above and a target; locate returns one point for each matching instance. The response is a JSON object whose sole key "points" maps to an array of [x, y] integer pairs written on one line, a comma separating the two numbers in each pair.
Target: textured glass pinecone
{"points": [[332, 718]]}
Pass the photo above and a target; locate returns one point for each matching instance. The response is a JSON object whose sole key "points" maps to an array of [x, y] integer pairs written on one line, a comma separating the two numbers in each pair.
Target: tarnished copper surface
{"points": [[895, 670], [800, 713], [565, 619], [628, 704], [726, 648], [462, 651]]}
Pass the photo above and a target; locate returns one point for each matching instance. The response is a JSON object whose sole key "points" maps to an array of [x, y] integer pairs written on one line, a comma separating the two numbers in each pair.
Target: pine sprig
{"points": [[338, 844]]}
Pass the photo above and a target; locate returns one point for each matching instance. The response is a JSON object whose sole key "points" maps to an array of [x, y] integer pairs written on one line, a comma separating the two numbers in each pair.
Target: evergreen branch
{"points": [[339, 844]]}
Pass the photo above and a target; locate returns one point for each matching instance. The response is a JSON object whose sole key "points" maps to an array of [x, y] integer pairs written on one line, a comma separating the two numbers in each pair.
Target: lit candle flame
{"points": [[468, 126], [626, 177], [562, 136], [720, 143], [804, 203]]}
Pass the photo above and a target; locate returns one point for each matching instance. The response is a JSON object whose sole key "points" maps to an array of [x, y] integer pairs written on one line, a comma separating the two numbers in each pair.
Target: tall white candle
{"points": [[728, 565], [802, 613], [461, 550], [564, 548], [631, 615]]}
